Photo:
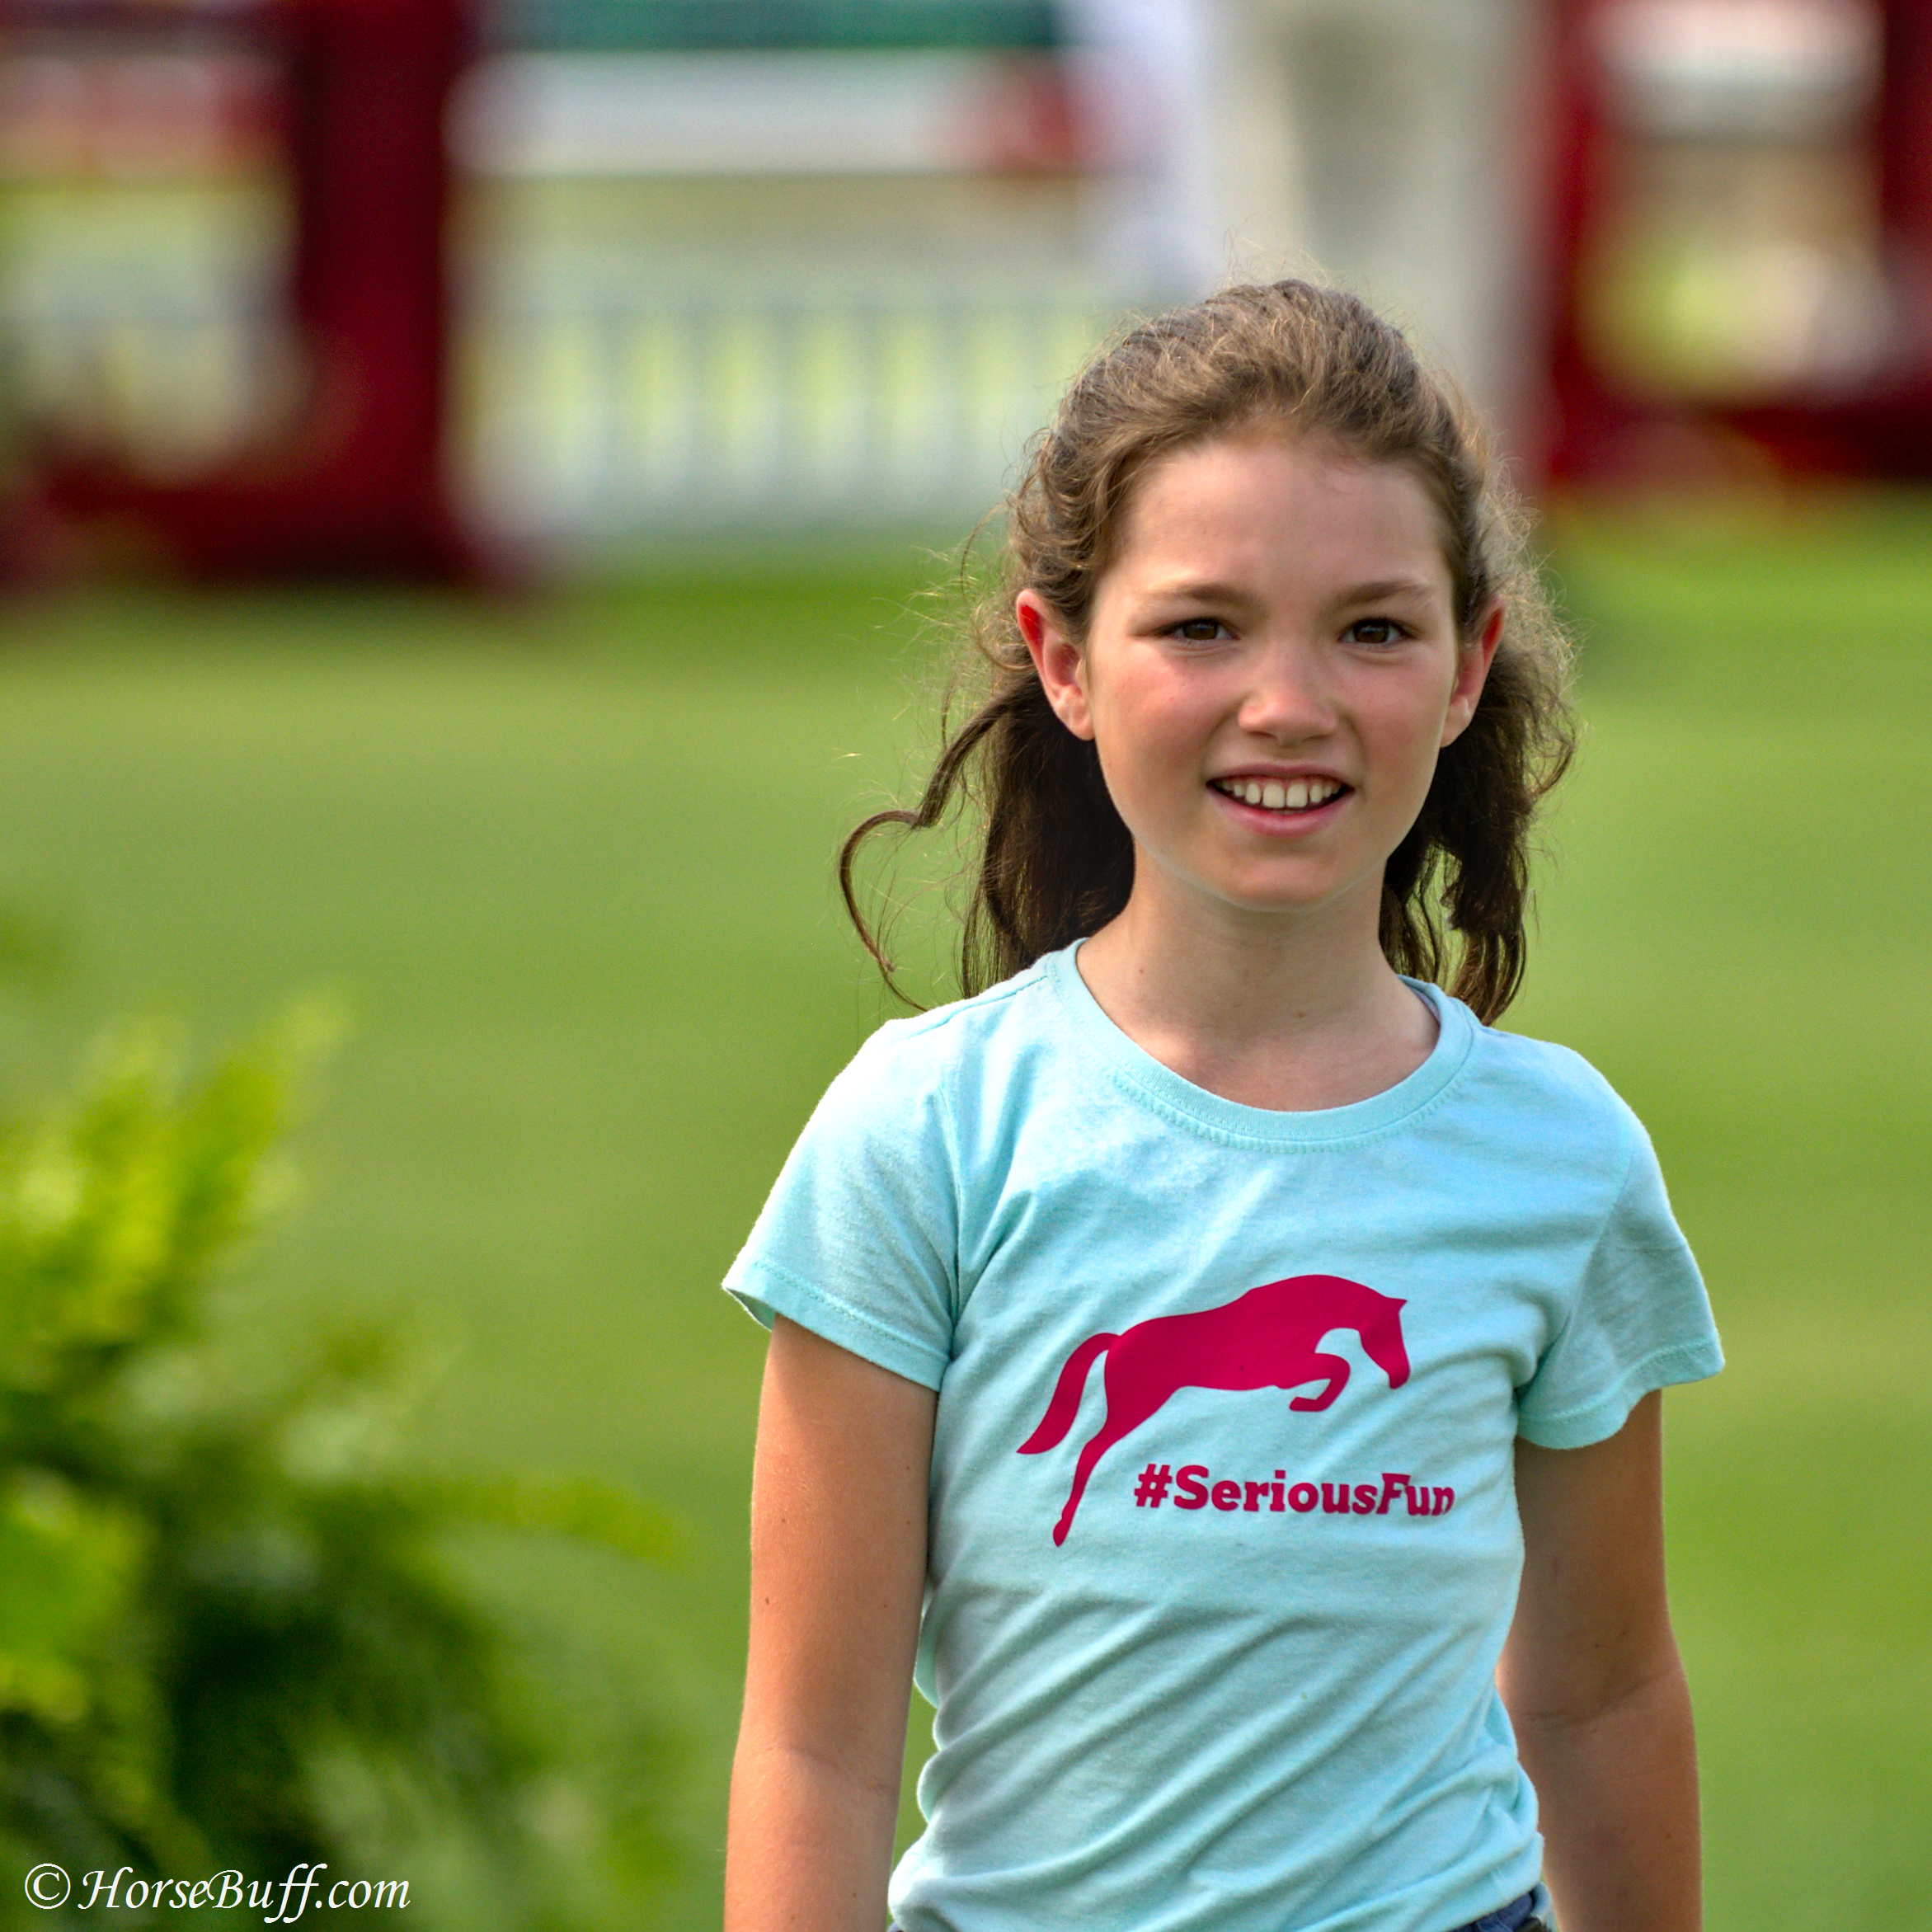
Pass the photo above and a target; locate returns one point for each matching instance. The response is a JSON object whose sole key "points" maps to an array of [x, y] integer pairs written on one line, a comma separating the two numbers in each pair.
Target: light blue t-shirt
{"points": [[1251, 1689]]}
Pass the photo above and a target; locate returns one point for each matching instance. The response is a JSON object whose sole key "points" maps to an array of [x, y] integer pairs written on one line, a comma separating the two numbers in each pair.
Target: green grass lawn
{"points": [[572, 861]]}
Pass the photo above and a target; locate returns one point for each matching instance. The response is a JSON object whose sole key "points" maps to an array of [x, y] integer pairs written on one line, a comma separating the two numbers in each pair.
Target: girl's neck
{"points": [[1292, 1014]]}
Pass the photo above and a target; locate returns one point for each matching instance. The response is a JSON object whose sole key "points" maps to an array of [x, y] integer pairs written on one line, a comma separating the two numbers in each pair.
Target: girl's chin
{"points": [[1249, 896]]}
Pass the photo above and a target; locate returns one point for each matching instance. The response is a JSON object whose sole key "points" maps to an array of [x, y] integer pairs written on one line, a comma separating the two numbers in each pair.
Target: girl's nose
{"points": [[1285, 697]]}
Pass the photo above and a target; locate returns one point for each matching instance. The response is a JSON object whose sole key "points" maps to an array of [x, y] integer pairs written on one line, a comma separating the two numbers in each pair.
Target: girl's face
{"points": [[1270, 670]]}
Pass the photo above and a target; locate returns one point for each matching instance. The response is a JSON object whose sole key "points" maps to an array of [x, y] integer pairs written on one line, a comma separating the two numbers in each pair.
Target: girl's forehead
{"points": [[1263, 501]]}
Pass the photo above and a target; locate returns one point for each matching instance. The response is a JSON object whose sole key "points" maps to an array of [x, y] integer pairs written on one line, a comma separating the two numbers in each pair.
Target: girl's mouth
{"points": [[1279, 794]]}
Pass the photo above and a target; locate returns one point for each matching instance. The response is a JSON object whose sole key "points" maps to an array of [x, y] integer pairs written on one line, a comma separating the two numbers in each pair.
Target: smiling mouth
{"points": [[1281, 794]]}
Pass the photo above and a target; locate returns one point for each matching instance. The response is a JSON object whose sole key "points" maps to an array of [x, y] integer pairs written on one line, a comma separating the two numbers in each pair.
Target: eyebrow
{"points": [[1379, 588], [1206, 590], [1201, 591]]}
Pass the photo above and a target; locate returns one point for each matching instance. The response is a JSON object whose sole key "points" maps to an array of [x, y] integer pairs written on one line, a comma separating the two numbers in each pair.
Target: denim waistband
{"points": [[1519, 1914]]}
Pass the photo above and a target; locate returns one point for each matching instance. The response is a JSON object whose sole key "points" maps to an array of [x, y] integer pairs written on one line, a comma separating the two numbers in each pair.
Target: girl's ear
{"points": [[1059, 661], [1473, 661]]}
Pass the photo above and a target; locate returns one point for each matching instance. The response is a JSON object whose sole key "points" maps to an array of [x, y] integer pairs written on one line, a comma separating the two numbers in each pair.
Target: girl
{"points": [[1202, 1356]]}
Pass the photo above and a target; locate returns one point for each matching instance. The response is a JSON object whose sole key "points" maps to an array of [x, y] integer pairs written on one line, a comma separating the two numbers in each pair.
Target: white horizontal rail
{"points": [[757, 115]]}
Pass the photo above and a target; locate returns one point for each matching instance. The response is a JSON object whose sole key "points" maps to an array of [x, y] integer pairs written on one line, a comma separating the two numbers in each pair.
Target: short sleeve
{"points": [[858, 1240], [1641, 1321]]}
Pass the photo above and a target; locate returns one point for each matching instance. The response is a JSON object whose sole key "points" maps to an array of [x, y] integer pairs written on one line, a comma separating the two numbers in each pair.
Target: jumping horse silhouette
{"points": [[1264, 1339]]}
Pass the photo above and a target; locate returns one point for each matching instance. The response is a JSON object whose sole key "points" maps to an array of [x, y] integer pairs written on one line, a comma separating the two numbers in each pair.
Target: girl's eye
{"points": [[1374, 630], [1201, 630]]}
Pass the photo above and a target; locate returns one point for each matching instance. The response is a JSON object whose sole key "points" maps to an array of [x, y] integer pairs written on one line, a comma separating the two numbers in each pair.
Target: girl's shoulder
{"points": [[958, 1081], [1545, 1066], [1552, 1095], [961, 1038]]}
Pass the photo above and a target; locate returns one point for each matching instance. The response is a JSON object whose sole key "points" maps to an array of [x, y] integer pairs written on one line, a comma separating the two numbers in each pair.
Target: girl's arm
{"points": [[1595, 1689], [838, 1575]]}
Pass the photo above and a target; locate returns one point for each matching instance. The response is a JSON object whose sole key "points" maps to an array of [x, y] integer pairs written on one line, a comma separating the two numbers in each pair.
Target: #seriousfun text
{"points": [[1193, 1487]]}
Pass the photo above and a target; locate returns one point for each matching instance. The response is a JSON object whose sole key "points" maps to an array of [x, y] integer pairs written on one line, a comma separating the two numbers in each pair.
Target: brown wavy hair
{"points": [[1055, 862]]}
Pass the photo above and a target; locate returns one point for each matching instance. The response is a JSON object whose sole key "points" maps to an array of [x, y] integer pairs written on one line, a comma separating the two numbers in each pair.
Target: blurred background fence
{"points": [[674, 286], [406, 285]]}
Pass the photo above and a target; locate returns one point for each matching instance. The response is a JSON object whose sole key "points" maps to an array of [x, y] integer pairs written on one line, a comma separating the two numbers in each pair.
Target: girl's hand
{"points": [[1595, 1689], [838, 1497]]}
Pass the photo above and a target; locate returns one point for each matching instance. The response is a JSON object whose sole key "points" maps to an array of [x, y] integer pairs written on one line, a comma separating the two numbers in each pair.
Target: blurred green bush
{"points": [[232, 1635]]}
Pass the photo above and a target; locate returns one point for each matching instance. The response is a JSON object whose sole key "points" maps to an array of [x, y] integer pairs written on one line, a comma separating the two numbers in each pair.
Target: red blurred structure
{"points": [[352, 484], [1741, 255], [1858, 402]]}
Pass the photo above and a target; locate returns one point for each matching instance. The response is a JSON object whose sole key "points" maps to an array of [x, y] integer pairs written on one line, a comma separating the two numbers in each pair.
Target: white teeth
{"points": [[1279, 795]]}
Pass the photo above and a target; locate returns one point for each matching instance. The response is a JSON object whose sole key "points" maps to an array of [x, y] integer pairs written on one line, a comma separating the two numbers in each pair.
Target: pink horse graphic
{"points": [[1264, 1339]]}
